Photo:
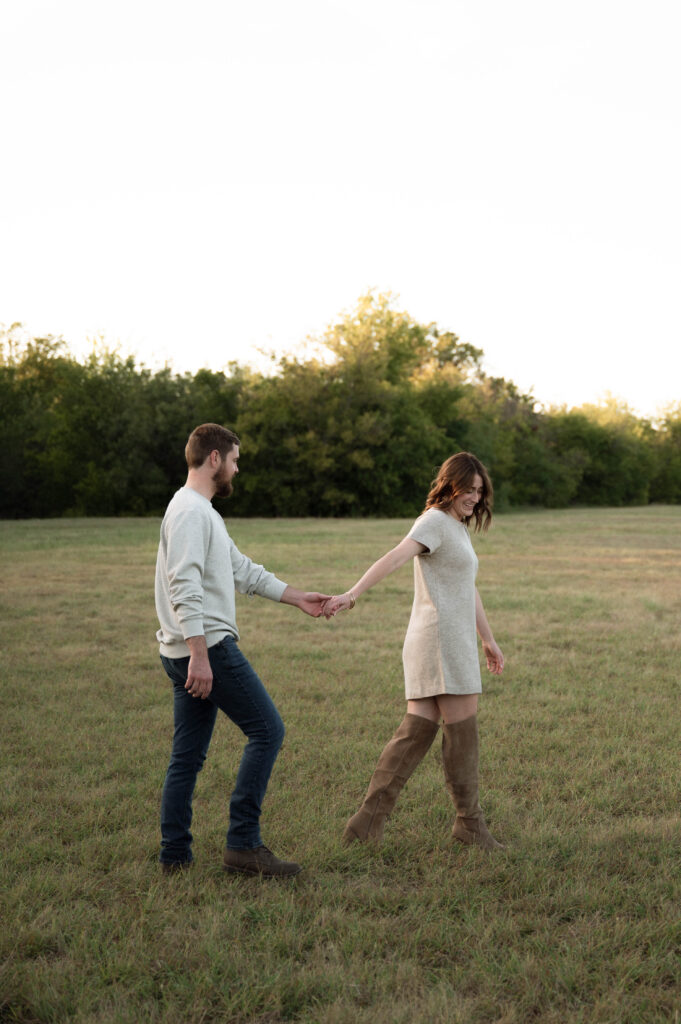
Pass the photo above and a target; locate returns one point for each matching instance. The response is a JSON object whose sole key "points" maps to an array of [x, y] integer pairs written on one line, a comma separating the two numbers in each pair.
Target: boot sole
{"points": [[488, 847]]}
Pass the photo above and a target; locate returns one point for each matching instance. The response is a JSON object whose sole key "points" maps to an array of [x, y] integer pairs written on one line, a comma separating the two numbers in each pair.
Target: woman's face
{"points": [[464, 503]]}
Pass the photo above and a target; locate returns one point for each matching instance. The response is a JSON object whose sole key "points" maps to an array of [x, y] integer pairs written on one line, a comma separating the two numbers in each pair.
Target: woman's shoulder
{"points": [[431, 519], [434, 515]]}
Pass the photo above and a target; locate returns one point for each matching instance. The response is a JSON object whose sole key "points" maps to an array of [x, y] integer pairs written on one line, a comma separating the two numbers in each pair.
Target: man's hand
{"points": [[313, 603], [199, 674], [308, 601]]}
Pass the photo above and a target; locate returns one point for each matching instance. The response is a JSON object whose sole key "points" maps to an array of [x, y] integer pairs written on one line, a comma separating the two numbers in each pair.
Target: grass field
{"points": [[578, 921]]}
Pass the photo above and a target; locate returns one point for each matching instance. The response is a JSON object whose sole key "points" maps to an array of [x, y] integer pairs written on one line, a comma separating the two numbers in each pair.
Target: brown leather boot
{"points": [[460, 758], [407, 748], [259, 861]]}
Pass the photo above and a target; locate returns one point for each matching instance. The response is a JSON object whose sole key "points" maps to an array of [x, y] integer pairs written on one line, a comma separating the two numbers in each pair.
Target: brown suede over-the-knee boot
{"points": [[402, 754], [460, 759]]}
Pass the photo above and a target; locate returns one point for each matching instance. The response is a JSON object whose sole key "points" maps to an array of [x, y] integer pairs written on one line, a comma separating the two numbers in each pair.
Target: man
{"points": [[197, 571]]}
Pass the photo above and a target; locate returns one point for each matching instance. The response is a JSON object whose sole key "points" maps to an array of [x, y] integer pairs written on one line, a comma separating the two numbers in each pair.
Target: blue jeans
{"points": [[238, 692]]}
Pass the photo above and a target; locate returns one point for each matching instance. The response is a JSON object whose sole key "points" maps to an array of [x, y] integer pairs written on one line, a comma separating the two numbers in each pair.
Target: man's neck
{"points": [[201, 482]]}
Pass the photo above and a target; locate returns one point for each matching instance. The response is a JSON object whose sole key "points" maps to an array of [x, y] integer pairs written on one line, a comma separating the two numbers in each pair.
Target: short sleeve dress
{"points": [[440, 653]]}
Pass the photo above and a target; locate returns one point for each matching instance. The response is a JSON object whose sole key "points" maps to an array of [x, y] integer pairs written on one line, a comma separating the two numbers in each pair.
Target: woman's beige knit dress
{"points": [[440, 652]]}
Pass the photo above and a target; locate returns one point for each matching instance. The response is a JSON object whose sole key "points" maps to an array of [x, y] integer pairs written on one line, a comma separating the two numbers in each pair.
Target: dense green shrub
{"points": [[358, 429]]}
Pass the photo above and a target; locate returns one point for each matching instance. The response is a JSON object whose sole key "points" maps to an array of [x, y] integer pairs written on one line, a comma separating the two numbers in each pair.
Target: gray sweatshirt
{"points": [[197, 571]]}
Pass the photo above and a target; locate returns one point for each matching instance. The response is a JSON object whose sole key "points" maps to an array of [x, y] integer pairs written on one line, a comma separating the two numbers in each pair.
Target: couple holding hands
{"points": [[198, 570]]}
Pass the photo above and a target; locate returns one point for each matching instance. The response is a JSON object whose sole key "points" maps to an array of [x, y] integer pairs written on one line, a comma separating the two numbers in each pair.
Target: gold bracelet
{"points": [[352, 598]]}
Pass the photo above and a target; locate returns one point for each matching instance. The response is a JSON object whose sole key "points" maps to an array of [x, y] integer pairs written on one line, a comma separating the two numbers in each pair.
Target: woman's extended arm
{"points": [[495, 659], [394, 559]]}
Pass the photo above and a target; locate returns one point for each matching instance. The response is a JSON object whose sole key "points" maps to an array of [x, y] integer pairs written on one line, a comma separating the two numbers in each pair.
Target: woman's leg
{"points": [[460, 760], [400, 757], [450, 707], [456, 707], [425, 707]]}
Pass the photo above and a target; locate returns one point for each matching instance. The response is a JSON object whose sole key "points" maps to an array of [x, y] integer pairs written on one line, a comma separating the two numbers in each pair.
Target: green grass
{"points": [[578, 921]]}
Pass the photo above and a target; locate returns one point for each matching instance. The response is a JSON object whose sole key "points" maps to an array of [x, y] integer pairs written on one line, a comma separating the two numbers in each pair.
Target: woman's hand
{"points": [[339, 603], [494, 657]]}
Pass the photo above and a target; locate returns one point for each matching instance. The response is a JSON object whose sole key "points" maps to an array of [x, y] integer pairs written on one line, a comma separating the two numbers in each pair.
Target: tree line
{"points": [[358, 427]]}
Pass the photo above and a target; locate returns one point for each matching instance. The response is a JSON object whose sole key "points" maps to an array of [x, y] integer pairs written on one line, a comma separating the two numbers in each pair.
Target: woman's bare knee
{"points": [[456, 707], [425, 707]]}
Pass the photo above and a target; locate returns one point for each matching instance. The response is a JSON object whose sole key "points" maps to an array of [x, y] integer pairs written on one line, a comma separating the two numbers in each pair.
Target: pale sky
{"points": [[199, 180]]}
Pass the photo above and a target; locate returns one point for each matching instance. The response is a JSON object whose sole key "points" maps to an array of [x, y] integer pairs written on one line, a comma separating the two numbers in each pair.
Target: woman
{"points": [[440, 656]]}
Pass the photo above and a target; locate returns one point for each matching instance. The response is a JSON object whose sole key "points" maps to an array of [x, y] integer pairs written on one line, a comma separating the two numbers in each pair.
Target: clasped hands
{"points": [[339, 603], [316, 605]]}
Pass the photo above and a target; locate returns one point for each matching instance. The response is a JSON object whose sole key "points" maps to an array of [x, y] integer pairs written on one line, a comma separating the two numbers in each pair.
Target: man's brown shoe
{"points": [[259, 861]]}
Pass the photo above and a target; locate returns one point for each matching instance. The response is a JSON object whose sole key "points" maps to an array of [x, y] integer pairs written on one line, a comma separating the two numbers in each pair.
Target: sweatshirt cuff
{"points": [[192, 627], [273, 588]]}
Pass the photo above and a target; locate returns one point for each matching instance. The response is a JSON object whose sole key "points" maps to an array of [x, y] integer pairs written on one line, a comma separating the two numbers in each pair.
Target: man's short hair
{"points": [[206, 439]]}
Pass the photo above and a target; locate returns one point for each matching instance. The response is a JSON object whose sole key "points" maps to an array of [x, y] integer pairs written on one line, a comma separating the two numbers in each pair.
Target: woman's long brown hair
{"points": [[456, 476]]}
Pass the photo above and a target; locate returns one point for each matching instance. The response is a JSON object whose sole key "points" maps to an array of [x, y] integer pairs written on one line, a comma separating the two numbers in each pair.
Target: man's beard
{"points": [[223, 487]]}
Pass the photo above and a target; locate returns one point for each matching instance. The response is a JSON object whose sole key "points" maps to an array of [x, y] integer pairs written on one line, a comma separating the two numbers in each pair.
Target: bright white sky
{"points": [[196, 180]]}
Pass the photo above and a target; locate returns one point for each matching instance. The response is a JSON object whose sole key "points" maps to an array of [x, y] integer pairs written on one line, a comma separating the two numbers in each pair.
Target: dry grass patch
{"points": [[577, 922]]}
